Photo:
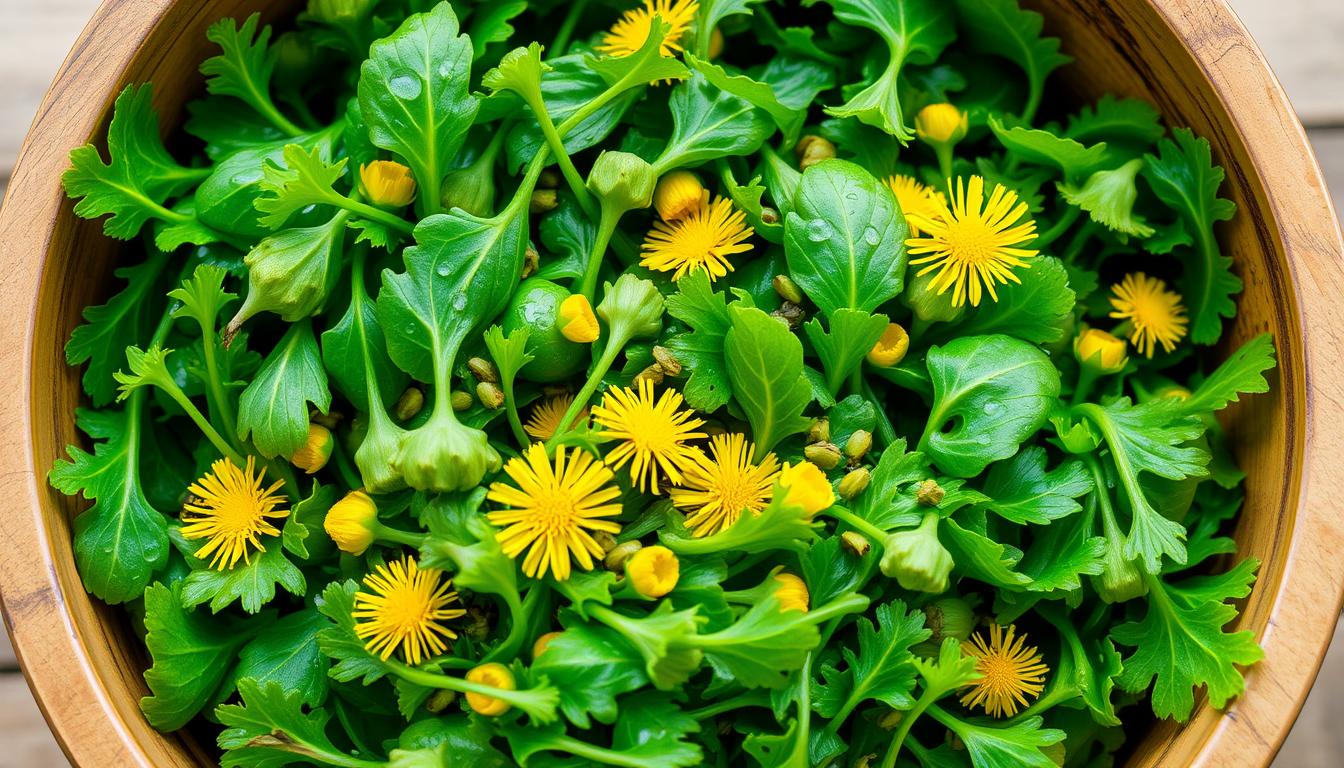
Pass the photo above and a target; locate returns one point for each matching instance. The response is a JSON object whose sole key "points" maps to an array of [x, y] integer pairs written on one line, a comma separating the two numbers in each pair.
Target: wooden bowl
{"points": [[1191, 57]]}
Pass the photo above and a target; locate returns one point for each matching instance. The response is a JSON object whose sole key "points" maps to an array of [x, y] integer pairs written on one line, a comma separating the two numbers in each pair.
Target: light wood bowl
{"points": [[1191, 57]]}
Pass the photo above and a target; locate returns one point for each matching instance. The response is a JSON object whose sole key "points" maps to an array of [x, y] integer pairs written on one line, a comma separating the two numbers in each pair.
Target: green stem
{"points": [[461, 685], [561, 42], [1033, 102], [944, 153], [924, 702], [614, 347], [519, 611], [1080, 238], [886, 431], [562, 158], [594, 753], [373, 213], [175, 392], [1086, 379], [398, 536], [755, 698], [511, 412], [606, 227], [1048, 237], [858, 523], [346, 468]]}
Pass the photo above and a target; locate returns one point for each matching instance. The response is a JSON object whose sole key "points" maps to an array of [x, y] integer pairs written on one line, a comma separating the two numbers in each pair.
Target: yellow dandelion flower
{"points": [[806, 486], [544, 421], [552, 510], [916, 201], [975, 243], [1010, 671], [652, 436], [230, 510], [653, 571], [1155, 314], [402, 611], [791, 592], [702, 239], [496, 676], [717, 490], [628, 34]]}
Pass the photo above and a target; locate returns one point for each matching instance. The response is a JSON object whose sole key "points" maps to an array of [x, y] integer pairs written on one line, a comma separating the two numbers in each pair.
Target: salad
{"points": [[728, 383]]}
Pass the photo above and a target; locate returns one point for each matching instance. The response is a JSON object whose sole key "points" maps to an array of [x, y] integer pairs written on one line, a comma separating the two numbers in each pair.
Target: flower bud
{"points": [[1120, 579], [929, 493], [291, 273], [941, 125], [622, 180], [376, 456], [444, 455], [807, 487], [460, 400], [632, 307], [409, 404], [824, 454], [483, 370], [769, 215], [791, 592], [495, 676], [576, 320], [652, 374], [667, 361], [653, 571], [855, 542], [916, 559], [315, 451], [471, 188], [891, 347], [619, 554], [539, 647], [820, 431], [549, 179], [439, 701], [927, 304], [1100, 352], [949, 617], [604, 540], [854, 483], [678, 195], [352, 523], [543, 201], [1174, 391], [531, 262], [891, 719], [387, 184], [490, 395], [858, 444], [787, 289], [813, 149]]}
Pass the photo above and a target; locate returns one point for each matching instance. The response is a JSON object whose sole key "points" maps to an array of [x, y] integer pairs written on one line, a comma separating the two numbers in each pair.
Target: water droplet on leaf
{"points": [[818, 231], [405, 87], [872, 236]]}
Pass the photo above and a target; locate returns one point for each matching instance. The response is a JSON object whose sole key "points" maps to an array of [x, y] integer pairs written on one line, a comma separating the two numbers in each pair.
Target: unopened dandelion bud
{"points": [[891, 347], [791, 592], [439, 701], [409, 404], [854, 483], [891, 719], [949, 617], [490, 395], [617, 557], [929, 493], [916, 558], [543, 201], [941, 125], [855, 543], [769, 215], [787, 289], [387, 184], [495, 676], [316, 449], [678, 195], [483, 370], [824, 454], [542, 643], [460, 400], [653, 373], [577, 321], [812, 149], [352, 523], [858, 444], [806, 487], [670, 364], [653, 571], [820, 431], [605, 540], [531, 262]]}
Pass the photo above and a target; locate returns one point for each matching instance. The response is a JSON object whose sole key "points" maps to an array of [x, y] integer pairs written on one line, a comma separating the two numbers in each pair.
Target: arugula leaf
{"points": [[1181, 645], [789, 120], [353, 662], [1002, 28], [1086, 667], [1039, 309], [227, 199], [765, 368], [591, 665], [304, 178], [990, 393], [286, 653], [1022, 491], [1109, 197], [709, 123], [273, 409], [121, 541], [1061, 554], [650, 733], [414, 96], [886, 502], [982, 558], [1018, 744], [109, 327], [1042, 147], [1114, 119], [1241, 373], [244, 67], [916, 32], [767, 643], [490, 23], [749, 198], [844, 239], [252, 583], [269, 729], [139, 177], [192, 655], [852, 334], [777, 526], [570, 83], [795, 81], [882, 670], [355, 353], [1184, 177], [708, 17], [701, 351]]}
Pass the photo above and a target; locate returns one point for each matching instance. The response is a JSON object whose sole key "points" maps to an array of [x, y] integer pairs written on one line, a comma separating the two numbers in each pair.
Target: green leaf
{"points": [[1086, 666], [490, 23], [708, 124], [202, 296], [767, 643], [789, 120], [778, 526], [192, 655], [591, 665], [1241, 373], [882, 670], [844, 239], [887, 501], [650, 733], [305, 522], [1022, 491], [251, 583], [108, 328], [286, 654], [1120, 120], [916, 32], [1039, 309], [1109, 197], [1042, 147], [1180, 644], [982, 558], [829, 570], [664, 638], [1062, 553], [647, 65], [304, 179], [748, 198], [139, 177], [701, 350], [355, 353], [949, 671], [1018, 744], [990, 394], [227, 199], [273, 409], [584, 587], [244, 67], [414, 95], [1002, 28], [121, 541], [269, 729], [765, 369], [508, 352], [1184, 177], [710, 14], [353, 662], [852, 334]]}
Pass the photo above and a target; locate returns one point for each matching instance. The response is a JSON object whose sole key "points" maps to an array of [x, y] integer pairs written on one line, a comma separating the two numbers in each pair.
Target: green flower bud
{"points": [[819, 431], [787, 289], [858, 444], [291, 273], [949, 617], [929, 493], [460, 400], [854, 483], [855, 542], [926, 303], [376, 456], [824, 454], [916, 559], [623, 181], [490, 395], [471, 188], [1120, 578], [445, 455], [632, 308], [409, 404]]}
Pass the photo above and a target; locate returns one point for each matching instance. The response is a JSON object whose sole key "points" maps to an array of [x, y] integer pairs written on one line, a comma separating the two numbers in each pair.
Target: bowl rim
{"points": [[90, 727]]}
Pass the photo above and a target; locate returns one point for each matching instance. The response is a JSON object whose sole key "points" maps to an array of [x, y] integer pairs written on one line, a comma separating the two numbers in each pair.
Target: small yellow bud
{"points": [[1100, 351], [619, 554], [409, 404], [386, 183], [854, 483], [543, 200], [316, 449], [890, 349], [653, 374], [929, 493], [807, 487], [812, 150], [490, 395], [787, 289], [352, 522], [460, 400], [667, 361], [495, 676], [824, 454], [855, 542], [941, 124], [791, 592], [577, 321], [820, 431], [858, 444], [439, 701], [653, 571], [678, 195], [483, 370], [715, 44], [890, 719], [542, 644]]}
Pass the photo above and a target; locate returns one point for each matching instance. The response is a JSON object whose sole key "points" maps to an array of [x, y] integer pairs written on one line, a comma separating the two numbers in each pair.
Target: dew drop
{"points": [[992, 408], [405, 87], [818, 231], [872, 236], [446, 69], [460, 302], [443, 270]]}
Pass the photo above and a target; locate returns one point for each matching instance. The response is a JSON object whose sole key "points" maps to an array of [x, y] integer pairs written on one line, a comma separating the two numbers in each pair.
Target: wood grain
{"points": [[1191, 57]]}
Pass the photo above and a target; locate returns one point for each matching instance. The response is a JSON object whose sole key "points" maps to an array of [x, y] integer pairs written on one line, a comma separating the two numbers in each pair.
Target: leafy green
{"points": [[852, 334], [1017, 744], [1042, 147], [1022, 491], [1004, 29], [651, 732], [664, 638], [273, 410], [1117, 120], [286, 653], [701, 351], [252, 583], [765, 367], [778, 526], [1109, 197], [244, 68], [789, 120], [107, 328], [591, 665], [708, 124], [269, 729], [882, 670], [1038, 309], [1241, 373], [766, 644]]}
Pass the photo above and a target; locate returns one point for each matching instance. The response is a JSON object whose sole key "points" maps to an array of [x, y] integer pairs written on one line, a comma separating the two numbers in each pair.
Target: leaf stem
{"points": [[374, 213], [461, 685], [562, 37], [599, 370], [858, 523], [922, 703], [1066, 220], [754, 698], [171, 389], [608, 219], [886, 431], [398, 536], [519, 611], [555, 141]]}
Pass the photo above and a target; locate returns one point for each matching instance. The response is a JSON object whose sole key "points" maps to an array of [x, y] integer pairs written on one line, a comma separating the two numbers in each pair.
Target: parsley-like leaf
{"points": [[701, 350], [109, 327], [1004, 29], [251, 583], [708, 123], [882, 670], [244, 67], [286, 653], [1022, 491], [269, 729]]}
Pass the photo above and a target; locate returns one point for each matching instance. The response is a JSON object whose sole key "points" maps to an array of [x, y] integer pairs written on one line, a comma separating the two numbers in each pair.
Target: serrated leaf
{"points": [[883, 668], [765, 369], [701, 350], [1004, 29], [286, 654], [1022, 491], [273, 410], [251, 583], [109, 327], [1041, 147], [851, 335], [591, 665], [708, 124], [269, 729], [1038, 309], [1242, 373]]}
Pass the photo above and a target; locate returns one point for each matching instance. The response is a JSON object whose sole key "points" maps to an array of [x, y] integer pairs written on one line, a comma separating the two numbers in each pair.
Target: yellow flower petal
{"points": [[717, 489], [402, 609], [229, 509], [703, 239], [1155, 314], [1010, 672]]}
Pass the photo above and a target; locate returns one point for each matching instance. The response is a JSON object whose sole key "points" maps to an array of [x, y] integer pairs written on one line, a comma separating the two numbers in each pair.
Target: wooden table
{"points": [[1300, 37]]}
